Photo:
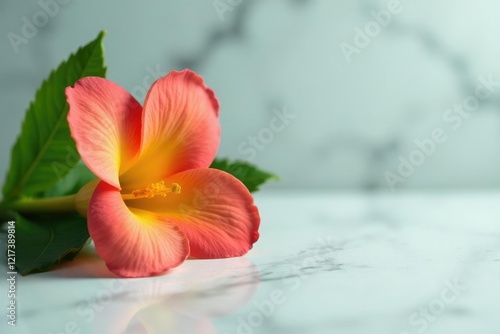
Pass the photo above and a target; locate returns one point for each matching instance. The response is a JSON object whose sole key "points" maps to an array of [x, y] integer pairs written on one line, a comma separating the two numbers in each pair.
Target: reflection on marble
{"points": [[326, 263]]}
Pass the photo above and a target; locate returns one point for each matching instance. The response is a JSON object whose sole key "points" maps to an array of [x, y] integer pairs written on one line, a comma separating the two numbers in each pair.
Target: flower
{"points": [[156, 201]]}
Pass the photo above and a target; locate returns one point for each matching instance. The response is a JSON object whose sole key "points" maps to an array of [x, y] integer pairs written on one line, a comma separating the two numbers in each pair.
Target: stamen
{"points": [[154, 189]]}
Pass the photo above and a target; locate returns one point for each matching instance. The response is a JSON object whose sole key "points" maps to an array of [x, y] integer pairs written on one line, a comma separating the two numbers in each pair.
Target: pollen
{"points": [[156, 189]]}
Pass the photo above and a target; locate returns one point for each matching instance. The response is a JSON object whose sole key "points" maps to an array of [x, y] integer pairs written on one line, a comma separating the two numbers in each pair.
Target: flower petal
{"points": [[214, 209], [133, 243], [105, 121], [180, 128]]}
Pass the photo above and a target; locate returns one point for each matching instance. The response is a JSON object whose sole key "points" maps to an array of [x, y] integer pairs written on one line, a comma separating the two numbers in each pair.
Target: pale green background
{"points": [[353, 120]]}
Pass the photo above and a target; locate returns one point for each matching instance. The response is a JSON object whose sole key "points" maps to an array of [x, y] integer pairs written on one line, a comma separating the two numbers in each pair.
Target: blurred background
{"points": [[328, 94]]}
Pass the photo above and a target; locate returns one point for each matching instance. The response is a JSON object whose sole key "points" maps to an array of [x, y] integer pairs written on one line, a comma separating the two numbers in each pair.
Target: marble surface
{"points": [[352, 263]]}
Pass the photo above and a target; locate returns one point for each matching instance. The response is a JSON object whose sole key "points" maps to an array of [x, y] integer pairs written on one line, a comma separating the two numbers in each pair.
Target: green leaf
{"points": [[40, 245], [45, 152], [72, 183], [251, 176]]}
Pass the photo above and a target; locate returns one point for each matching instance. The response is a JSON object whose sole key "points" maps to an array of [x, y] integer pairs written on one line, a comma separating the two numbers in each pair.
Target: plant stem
{"points": [[65, 204]]}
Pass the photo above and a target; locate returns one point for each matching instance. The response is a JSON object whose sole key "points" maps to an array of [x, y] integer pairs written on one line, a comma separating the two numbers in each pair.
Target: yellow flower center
{"points": [[154, 189]]}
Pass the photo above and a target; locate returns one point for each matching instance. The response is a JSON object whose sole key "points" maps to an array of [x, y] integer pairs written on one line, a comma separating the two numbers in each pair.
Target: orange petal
{"points": [[180, 129], [214, 209], [105, 121], [133, 243]]}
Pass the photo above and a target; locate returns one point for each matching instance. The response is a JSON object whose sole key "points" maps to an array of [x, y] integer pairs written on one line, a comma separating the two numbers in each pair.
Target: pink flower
{"points": [[157, 202]]}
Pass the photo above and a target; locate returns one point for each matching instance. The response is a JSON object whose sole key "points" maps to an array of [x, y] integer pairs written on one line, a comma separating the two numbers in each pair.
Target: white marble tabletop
{"points": [[350, 263]]}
